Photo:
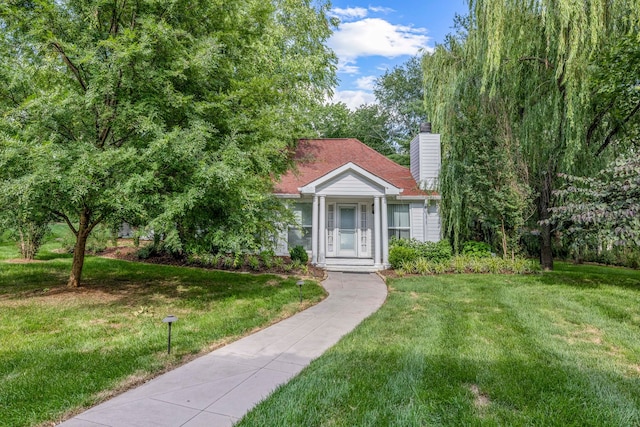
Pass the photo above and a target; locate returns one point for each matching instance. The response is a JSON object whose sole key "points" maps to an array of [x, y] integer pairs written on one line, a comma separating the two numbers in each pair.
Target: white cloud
{"points": [[381, 9], [348, 68], [353, 98], [349, 12], [374, 36], [366, 82]]}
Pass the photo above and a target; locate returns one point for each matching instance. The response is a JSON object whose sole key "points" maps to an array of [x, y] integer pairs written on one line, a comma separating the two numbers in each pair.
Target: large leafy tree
{"points": [[369, 123], [606, 205], [387, 125], [400, 93], [173, 113], [529, 66]]}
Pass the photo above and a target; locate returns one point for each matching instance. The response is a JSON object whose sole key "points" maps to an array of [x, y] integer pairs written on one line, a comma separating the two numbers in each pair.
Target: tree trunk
{"points": [[78, 251], [504, 240], [544, 203]]}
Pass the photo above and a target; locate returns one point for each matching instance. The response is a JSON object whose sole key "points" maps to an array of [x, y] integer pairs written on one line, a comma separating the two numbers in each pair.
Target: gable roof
{"points": [[315, 158]]}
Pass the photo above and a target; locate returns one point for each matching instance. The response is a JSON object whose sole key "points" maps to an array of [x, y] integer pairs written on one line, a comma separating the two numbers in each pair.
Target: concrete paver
{"points": [[219, 388]]}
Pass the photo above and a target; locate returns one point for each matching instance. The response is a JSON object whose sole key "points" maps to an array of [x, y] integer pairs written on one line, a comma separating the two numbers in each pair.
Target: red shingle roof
{"points": [[315, 158]]}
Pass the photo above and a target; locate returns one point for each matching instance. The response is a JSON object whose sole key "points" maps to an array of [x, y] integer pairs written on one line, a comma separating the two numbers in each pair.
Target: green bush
{"points": [[146, 252], [254, 262], [298, 253], [433, 251], [267, 258], [476, 249], [278, 263], [399, 254]]}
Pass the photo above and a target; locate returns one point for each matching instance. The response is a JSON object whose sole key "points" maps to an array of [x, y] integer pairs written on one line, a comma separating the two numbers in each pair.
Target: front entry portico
{"points": [[349, 217]]}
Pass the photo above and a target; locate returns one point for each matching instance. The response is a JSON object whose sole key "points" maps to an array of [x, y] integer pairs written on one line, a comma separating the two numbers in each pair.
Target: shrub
{"points": [[463, 264], [399, 254], [228, 261], [278, 263], [459, 264], [298, 253], [423, 266], [31, 235], [254, 262], [146, 252], [433, 251], [267, 259], [437, 251], [476, 249]]}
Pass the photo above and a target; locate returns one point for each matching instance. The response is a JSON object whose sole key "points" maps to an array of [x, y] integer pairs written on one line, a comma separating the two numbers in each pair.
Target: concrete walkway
{"points": [[219, 388]]}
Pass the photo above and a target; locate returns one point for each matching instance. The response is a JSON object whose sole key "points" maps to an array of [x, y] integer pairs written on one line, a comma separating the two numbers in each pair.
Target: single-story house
{"points": [[351, 200]]}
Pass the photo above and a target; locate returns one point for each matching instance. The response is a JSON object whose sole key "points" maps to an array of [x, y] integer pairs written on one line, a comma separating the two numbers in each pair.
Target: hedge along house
{"points": [[350, 201]]}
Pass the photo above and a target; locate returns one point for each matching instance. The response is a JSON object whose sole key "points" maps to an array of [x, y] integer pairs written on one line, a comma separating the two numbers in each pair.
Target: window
{"points": [[398, 221], [301, 235], [432, 207]]}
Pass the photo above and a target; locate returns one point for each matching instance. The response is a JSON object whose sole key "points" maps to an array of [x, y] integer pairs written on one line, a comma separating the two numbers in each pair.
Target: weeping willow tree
{"points": [[512, 94]]}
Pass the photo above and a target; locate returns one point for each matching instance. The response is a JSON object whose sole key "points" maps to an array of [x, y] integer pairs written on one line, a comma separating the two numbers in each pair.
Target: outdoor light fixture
{"points": [[169, 319], [300, 283]]}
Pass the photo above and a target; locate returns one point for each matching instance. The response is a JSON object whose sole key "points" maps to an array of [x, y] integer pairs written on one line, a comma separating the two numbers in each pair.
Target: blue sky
{"points": [[375, 36]]}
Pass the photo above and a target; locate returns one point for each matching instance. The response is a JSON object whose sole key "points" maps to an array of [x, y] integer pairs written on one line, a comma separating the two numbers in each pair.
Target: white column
{"points": [[376, 227], [314, 231], [322, 229], [385, 231]]}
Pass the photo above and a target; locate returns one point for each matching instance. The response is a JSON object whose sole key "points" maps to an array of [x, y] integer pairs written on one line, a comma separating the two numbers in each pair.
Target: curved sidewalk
{"points": [[219, 388]]}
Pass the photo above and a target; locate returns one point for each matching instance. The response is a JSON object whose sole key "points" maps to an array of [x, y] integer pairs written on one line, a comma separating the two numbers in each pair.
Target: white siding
{"points": [[414, 155], [429, 162], [433, 221], [349, 184], [425, 159], [416, 214]]}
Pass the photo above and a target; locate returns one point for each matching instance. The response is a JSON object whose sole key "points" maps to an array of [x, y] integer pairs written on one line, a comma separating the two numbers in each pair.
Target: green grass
{"points": [[555, 349], [62, 349]]}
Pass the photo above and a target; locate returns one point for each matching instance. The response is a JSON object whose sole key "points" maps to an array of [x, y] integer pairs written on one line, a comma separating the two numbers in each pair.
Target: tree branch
{"points": [[616, 129], [544, 61], [94, 223], [67, 220], [597, 120], [68, 136], [72, 67], [119, 142]]}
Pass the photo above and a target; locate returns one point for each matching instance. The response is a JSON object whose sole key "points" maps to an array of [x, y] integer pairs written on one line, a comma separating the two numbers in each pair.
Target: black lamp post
{"points": [[169, 319], [300, 283]]}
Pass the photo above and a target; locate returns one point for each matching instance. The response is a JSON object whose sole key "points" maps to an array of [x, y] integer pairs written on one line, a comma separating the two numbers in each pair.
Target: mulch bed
{"points": [[129, 253]]}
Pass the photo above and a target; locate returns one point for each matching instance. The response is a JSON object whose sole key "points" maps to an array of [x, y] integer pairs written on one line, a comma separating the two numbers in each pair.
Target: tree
{"points": [[369, 123], [607, 204], [400, 94], [153, 111], [534, 61], [389, 124]]}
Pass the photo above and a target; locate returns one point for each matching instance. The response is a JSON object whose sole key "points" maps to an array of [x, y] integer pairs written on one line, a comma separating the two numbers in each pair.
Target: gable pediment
{"points": [[350, 180]]}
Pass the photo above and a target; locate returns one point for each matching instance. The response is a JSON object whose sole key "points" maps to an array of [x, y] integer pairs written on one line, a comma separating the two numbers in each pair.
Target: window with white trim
{"points": [[398, 221], [301, 235]]}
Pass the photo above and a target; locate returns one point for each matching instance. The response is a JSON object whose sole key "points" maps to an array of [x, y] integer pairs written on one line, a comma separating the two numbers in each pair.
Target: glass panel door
{"points": [[347, 230]]}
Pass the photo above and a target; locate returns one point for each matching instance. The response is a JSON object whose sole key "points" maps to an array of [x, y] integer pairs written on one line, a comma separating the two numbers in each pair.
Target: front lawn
{"points": [[64, 349], [555, 349]]}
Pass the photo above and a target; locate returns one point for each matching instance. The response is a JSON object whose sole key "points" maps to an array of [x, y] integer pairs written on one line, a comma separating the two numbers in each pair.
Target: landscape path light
{"points": [[169, 319], [300, 283]]}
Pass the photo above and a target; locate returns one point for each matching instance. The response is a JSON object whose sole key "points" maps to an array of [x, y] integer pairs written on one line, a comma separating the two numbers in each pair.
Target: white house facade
{"points": [[350, 201]]}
